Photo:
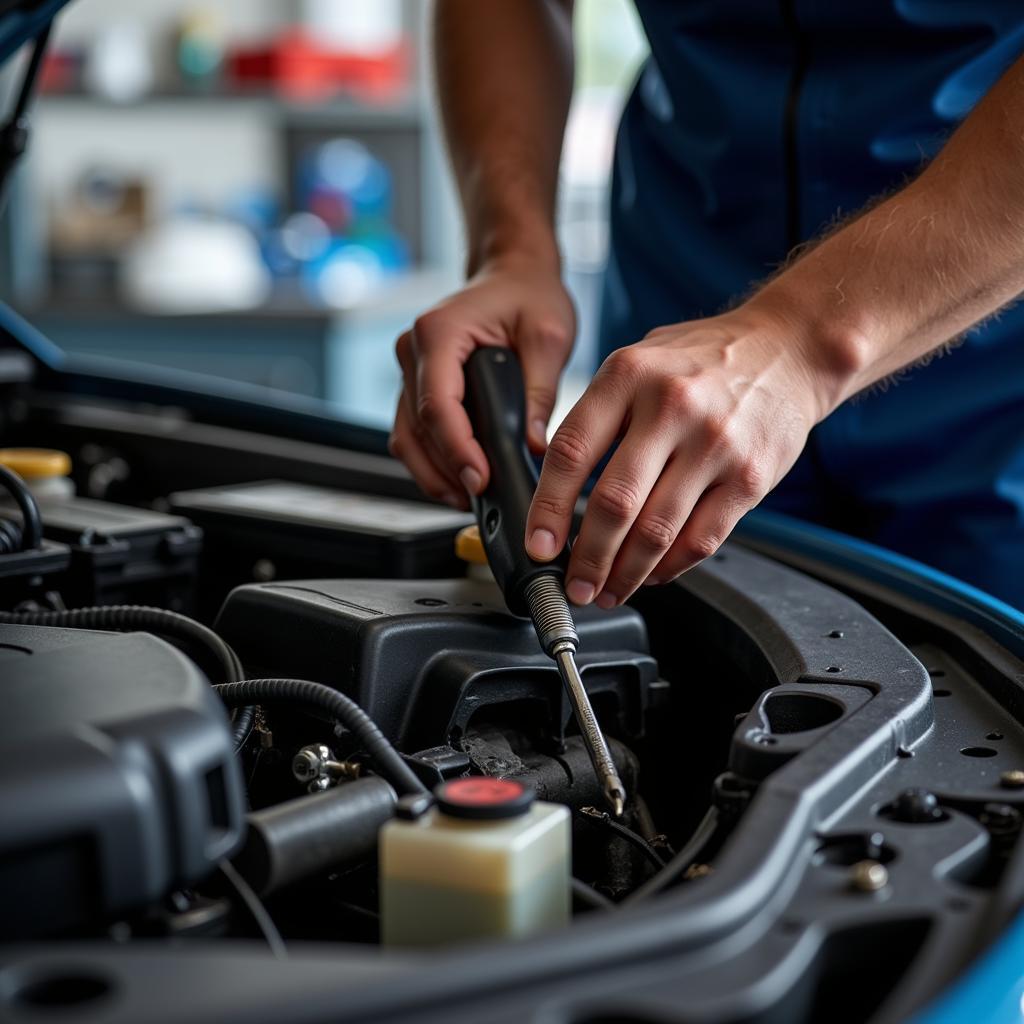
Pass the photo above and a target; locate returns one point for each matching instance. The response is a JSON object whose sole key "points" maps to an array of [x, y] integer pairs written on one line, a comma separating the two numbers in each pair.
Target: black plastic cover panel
{"points": [[118, 779]]}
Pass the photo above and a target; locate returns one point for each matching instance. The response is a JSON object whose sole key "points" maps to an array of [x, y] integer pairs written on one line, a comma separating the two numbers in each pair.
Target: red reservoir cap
{"points": [[483, 799]]}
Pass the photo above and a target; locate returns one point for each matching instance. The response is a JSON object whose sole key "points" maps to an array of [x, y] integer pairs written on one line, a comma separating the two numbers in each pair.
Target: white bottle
{"points": [[487, 861]]}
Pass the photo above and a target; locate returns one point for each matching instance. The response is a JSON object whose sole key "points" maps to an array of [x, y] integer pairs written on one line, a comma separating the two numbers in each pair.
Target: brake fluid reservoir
{"points": [[487, 861]]}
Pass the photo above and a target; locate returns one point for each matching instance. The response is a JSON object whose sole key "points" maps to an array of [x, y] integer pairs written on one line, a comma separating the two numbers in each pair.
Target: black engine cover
{"points": [[422, 657], [118, 780]]}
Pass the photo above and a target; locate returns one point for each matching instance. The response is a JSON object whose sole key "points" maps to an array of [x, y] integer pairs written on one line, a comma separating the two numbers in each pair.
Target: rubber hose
{"points": [[31, 533], [127, 618], [315, 695], [294, 840]]}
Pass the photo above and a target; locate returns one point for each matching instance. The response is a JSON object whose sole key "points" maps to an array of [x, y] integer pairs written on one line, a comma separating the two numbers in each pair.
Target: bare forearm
{"points": [[924, 265], [504, 76]]}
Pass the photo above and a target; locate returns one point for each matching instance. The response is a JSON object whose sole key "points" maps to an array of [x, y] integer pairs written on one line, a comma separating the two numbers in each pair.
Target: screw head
{"points": [[1012, 779], [868, 876]]}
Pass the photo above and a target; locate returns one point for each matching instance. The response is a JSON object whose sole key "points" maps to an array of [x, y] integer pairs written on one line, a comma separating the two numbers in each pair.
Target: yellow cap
{"points": [[469, 547], [36, 463]]}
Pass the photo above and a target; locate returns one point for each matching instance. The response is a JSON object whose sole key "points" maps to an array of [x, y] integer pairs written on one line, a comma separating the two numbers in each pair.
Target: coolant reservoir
{"points": [[487, 861]]}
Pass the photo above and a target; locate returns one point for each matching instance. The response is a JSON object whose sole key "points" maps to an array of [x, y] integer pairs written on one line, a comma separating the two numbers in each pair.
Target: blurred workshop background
{"points": [[255, 191]]}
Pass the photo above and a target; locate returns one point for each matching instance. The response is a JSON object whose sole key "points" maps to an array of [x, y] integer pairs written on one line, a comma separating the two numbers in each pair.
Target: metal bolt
{"points": [[1000, 818], [1012, 779], [917, 806], [869, 876], [309, 761], [263, 570]]}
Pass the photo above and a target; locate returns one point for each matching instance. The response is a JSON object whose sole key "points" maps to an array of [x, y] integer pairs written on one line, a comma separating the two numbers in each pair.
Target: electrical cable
{"points": [[15, 131], [589, 896], [28, 536], [322, 698], [257, 911], [193, 636], [680, 862], [637, 840]]}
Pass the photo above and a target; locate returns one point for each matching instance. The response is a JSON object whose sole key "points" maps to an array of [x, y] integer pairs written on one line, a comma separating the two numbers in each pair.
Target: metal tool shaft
{"points": [[600, 757], [556, 631]]}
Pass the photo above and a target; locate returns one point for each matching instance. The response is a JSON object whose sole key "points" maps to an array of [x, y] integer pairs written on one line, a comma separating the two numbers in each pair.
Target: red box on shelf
{"points": [[301, 68]]}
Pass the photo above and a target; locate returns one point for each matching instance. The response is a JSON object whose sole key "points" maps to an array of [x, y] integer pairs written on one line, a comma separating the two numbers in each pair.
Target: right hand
{"points": [[512, 303]]}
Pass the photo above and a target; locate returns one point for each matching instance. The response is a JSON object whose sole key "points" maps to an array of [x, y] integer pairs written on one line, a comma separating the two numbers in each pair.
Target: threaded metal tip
{"points": [[550, 613]]}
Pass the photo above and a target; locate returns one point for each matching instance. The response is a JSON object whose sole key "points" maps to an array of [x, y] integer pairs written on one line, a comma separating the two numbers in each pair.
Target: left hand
{"points": [[709, 414]]}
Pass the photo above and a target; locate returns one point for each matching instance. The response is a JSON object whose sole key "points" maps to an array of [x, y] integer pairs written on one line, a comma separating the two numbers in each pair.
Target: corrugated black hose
{"points": [[196, 638], [322, 698]]}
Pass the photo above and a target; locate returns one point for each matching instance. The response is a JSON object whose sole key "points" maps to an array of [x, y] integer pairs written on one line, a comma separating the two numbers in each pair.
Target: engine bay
{"points": [[822, 772]]}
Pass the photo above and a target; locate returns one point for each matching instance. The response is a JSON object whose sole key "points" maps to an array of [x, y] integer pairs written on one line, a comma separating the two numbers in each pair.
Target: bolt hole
{"points": [[833, 668], [994, 735], [430, 602], [836, 634], [978, 752], [942, 693]]}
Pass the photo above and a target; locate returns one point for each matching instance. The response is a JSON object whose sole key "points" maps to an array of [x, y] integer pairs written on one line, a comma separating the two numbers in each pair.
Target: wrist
{"points": [[836, 348], [518, 245]]}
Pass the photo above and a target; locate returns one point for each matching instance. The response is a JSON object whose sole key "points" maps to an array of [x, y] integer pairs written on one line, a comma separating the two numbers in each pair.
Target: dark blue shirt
{"points": [[753, 125]]}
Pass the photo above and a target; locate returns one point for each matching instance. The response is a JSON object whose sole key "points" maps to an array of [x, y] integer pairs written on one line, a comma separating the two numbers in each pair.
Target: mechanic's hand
{"points": [[711, 415], [512, 303]]}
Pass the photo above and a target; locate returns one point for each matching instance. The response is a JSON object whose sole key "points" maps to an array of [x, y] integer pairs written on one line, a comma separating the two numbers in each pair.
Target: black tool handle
{"points": [[497, 409]]}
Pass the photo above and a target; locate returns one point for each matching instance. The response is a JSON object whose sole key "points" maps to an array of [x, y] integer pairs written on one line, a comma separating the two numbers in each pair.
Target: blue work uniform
{"points": [[752, 126]]}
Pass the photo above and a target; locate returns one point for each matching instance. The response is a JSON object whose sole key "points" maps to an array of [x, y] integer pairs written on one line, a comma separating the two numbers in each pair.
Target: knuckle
{"points": [[541, 395], [403, 348], [553, 507], [676, 396], [395, 446], [550, 331], [567, 452], [656, 531], [624, 364], [750, 478], [593, 562], [429, 410], [700, 546], [616, 500], [423, 327]]}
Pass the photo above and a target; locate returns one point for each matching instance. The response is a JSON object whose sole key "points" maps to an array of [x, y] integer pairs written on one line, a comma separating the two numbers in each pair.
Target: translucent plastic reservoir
{"points": [[445, 878]]}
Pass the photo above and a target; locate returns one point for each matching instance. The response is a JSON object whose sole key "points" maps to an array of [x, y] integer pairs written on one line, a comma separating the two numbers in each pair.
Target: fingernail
{"points": [[540, 428], [542, 545], [606, 600], [579, 591], [652, 582], [470, 479]]}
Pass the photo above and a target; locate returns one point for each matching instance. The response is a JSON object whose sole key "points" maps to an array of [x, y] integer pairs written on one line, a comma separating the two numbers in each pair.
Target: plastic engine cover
{"points": [[118, 781], [422, 657]]}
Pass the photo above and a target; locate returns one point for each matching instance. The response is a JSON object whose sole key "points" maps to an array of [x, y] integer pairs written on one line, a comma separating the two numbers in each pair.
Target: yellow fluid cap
{"points": [[36, 463], [469, 547]]}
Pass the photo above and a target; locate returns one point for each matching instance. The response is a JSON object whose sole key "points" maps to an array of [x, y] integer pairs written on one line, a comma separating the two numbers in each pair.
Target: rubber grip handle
{"points": [[496, 406]]}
